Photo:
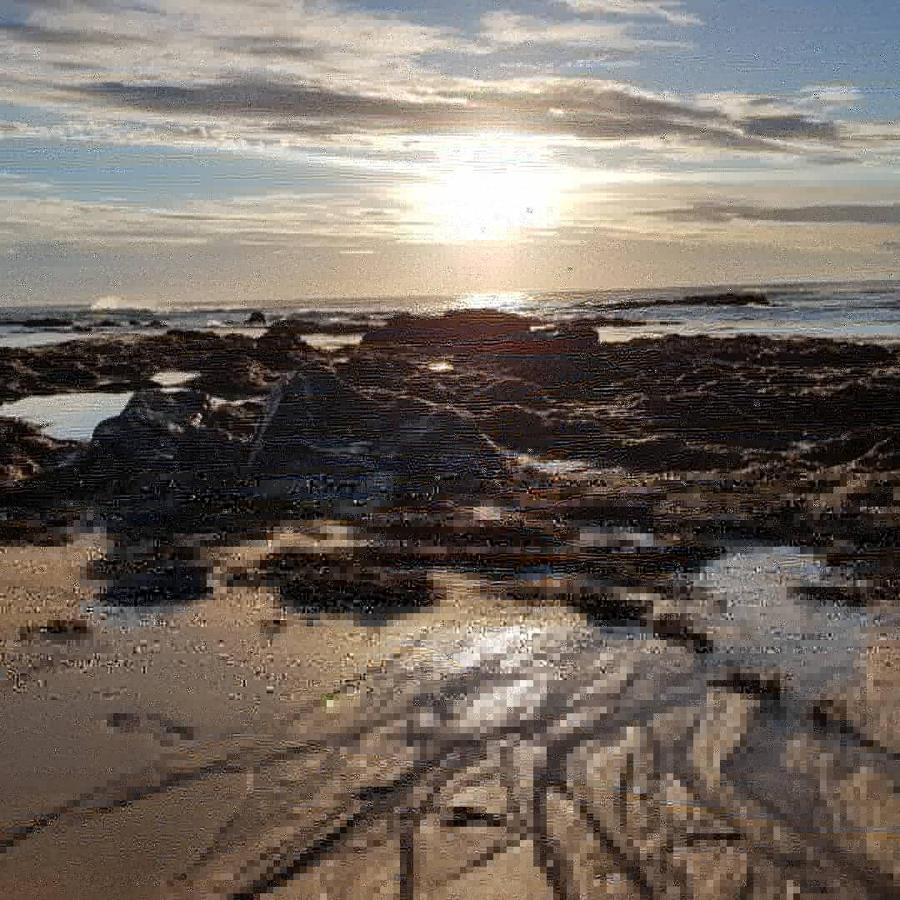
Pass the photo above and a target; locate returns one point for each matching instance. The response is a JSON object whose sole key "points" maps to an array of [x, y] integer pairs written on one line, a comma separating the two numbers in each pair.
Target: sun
{"points": [[488, 190]]}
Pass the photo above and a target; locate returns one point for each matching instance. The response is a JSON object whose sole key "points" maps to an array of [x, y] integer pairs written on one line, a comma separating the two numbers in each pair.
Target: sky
{"points": [[260, 152]]}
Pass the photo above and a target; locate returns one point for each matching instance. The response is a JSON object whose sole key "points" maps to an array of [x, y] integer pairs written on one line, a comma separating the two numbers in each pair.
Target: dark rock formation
{"points": [[160, 431], [40, 322], [137, 574], [459, 329], [320, 425], [244, 377], [127, 361], [729, 298], [25, 451], [282, 342], [310, 325], [255, 319], [368, 593]]}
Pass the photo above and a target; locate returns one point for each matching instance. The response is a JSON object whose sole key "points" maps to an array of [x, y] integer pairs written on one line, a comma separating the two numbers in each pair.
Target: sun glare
{"points": [[488, 190]]}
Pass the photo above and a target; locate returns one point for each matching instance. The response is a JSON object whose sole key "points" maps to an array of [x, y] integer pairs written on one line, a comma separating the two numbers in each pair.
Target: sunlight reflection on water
{"points": [[510, 301]]}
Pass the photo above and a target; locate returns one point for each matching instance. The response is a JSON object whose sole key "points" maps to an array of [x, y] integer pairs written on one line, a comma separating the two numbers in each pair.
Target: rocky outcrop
{"points": [[127, 362], [161, 431], [243, 377], [729, 298], [428, 400], [26, 452], [464, 329], [282, 343], [319, 425]]}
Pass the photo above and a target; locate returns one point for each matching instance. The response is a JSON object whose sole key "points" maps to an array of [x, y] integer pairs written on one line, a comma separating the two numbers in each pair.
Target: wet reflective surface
{"points": [[70, 417], [477, 737]]}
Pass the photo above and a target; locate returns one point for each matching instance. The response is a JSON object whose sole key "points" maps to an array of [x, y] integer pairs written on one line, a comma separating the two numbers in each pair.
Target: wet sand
{"points": [[267, 728]]}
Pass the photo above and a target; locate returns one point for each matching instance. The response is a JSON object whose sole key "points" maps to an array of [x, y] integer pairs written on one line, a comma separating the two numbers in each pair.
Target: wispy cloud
{"points": [[504, 28], [317, 74], [264, 111], [672, 11], [821, 214], [271, 219]]}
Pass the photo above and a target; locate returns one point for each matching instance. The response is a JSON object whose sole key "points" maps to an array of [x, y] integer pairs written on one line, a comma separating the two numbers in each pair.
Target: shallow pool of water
{"points": [[329, 342], [759, 618], [71, 417], [173, 377]]}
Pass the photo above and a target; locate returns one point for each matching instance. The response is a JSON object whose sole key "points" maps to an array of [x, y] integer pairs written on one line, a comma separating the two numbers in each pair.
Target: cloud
{"points": [[257, 99], [588, 110], [824, 214], [504, 28], [366, 99], [790, 127], [671, 11], [189, 40], [346, 220], [40, 35], [274, 73]]}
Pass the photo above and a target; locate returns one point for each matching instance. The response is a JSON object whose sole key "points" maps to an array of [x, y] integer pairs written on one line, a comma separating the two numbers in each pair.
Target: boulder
{"points": [[256, 319], [161, 431], [244, 377], [283, 341], [462, 328], [319, 426]]}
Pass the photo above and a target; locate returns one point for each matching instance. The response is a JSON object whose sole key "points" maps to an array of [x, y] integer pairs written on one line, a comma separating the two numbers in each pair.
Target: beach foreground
{"points": [[479, 607]]}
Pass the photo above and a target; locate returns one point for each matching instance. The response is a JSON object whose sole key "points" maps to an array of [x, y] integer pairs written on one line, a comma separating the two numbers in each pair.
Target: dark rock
{"points": [[308, 325], [40, 322], [25, 451], [283, 341], [255, 318], [502, 391], [679, 629], [84, 365], [244, 377], [155, 575], [729, 298], [319, 425], [516, 428], [365, 593], [468, 328], [160, 431], [759, 684]]}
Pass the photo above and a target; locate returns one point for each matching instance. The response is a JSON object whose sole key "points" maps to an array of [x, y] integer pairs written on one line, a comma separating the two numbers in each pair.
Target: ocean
{"points": [[865, 311]]}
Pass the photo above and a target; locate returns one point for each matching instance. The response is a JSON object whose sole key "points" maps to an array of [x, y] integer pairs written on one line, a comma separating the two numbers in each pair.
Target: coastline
{"points": [[480, 488]]}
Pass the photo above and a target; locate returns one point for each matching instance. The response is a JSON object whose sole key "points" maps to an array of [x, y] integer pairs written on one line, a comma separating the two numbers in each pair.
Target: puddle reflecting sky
{"points": [[70, 417]]}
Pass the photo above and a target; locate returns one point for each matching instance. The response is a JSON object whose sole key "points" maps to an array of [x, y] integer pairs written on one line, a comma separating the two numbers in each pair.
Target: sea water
{"points": [[866, 311]]}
